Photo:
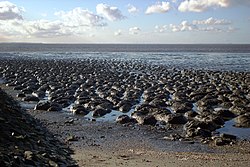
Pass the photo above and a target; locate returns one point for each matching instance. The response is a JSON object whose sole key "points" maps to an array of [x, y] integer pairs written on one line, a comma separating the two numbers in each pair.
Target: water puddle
{"points": [[2, 81], [229, 128]]}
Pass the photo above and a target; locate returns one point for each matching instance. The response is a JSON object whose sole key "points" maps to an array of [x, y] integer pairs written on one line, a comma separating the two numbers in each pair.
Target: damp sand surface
{"points": [[110, 144]]}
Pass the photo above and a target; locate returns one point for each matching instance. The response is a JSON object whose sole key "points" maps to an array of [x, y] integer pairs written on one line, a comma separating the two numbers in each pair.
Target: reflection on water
{"points": [[229, 128]]}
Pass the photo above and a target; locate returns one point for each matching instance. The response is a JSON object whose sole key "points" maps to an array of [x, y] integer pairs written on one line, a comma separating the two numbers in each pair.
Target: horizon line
{"points": [[104, 43]]}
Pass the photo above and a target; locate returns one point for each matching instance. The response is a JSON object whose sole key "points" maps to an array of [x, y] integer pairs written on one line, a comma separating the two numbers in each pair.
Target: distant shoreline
{"points": [[105, 47]]}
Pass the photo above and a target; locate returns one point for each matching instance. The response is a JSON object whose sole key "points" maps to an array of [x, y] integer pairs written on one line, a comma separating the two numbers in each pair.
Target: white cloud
{"points": [[161, 29], [159, 7], [110, 12], [80, 17], [74, 22], [201, 5], [9, 11], [208, 25], [212, 21], [118, 33], [184, 26], [132, 9], [134, 30]]}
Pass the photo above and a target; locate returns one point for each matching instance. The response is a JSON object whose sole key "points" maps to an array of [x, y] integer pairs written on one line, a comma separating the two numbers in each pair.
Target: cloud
{"points": [[9, 11], [207, 25], [74, 22], [159, 7], [161, 29], [132, 9], [110, 12], [134, 30], [184, 26], [118, 33], [212, 21], [201, 5], [80, 17]]}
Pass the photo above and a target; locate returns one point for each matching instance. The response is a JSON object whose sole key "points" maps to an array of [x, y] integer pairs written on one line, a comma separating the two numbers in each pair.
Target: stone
{"points": [[28, 155], [99, 112], [181, 107], [39, 94], [243, 121], [149, 120], [228, 136], [72, 138], [219, 141], [78, 109], [31, 98], [123, 119], [239, 110], [125, 107], [225, 114], [21, 95], [42, 106], [176, 119]]}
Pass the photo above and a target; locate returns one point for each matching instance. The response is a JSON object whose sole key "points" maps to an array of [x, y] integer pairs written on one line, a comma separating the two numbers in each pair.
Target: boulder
{"points": [[31, 98], [176, 119], [42, 106], [99, 112], [123, 119], [181, 107], [243, 120]]}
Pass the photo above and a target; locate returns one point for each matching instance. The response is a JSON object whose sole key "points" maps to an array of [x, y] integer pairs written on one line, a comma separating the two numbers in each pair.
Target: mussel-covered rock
{"points": [[42, 106], [176, 119], [243, 120], [123, 119], [99, 112], [31, 98]]}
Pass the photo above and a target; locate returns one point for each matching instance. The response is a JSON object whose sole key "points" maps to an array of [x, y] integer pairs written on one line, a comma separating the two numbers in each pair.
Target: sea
{"points": [[219, 57]]}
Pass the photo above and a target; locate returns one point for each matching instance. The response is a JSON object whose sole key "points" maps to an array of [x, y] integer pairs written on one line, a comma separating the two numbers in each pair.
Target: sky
{"points": [[125, 21]]}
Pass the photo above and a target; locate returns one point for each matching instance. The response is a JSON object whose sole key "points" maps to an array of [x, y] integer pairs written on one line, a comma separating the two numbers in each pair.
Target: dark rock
{"points": [[208, 102], [72, 138], [219, 141], [125, 108], [39, 94], [190, 114], [78, 109], [228, 136], [194, 124], [99, 112], [149, 120], [193, 132], [42, 106], [239, 110], [123, 119], [181, 107], [54, 108], [176, 119], [28, 155], [21, 95], [31, 98], [225, 114], [243, 120]]}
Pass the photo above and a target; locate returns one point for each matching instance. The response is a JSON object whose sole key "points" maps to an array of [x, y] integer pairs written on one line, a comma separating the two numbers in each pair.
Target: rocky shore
{"points": [[196, 101], [182, 105], [25, 142]]}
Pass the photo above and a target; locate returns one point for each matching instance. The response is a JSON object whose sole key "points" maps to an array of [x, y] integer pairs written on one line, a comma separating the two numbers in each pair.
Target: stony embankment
{"points": [[25, 142], [195, 102]]}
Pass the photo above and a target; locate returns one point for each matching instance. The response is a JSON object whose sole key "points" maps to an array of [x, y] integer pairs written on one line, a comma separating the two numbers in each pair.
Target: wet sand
{"points": [[110, 144]]}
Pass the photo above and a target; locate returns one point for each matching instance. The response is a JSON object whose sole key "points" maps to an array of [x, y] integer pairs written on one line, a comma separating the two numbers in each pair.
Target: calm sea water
{"points": [[211, 57]]}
